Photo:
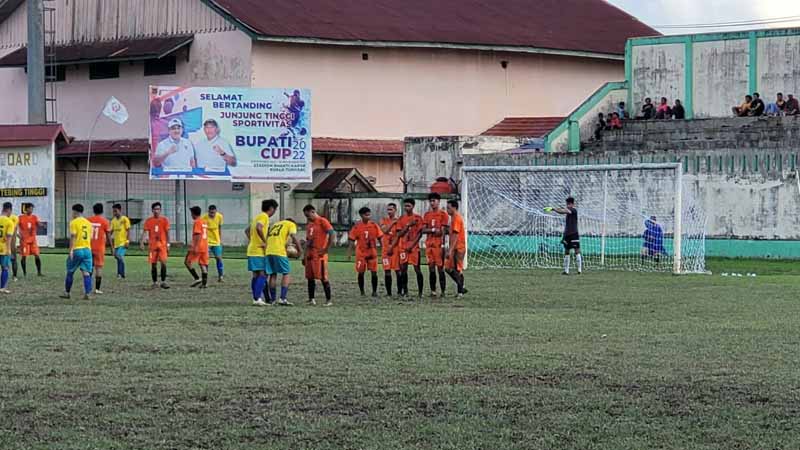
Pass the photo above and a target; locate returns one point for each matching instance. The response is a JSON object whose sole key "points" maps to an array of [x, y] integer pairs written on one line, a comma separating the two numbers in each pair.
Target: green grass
{"points": [[528, 360]]}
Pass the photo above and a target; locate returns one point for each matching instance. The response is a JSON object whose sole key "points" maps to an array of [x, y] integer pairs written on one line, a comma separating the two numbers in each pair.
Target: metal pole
{"points": [[185, 217], [37, 112], [605, 216], [465, 214], [89, 157], [677, 239], [281, 203]]}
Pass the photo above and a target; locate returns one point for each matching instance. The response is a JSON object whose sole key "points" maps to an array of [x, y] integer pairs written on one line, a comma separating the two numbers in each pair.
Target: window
{"points": [[104, 70], [55, 73], [365, 56], [162, 66]]}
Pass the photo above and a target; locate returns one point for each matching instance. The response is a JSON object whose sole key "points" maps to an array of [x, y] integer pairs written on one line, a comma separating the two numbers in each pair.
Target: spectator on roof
{"points": [[663, 111], [743, 109], [757, 107], [623, 114], [600, 127], [648, 110], [778, 108], [792, 106], [678, 112], [615, 123]]}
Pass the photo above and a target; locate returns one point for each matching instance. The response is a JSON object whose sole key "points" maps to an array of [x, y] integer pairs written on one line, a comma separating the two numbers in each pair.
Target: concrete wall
{"points": [[779, 65], [658, 71], [721, 71]]}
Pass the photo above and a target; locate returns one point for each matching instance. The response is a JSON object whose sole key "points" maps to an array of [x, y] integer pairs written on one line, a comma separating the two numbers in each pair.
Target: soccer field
{"points": [[528, 360]]}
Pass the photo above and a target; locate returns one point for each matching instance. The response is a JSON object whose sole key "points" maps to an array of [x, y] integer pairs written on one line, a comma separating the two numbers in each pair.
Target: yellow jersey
{"points": [[81, 228], [255, 247], [6, 230], [213, 226], [119, 230], [14, 220], [278, 237]]}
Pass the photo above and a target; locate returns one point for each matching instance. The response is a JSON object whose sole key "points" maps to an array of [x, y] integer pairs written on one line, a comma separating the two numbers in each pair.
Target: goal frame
{"points": [[677, 167]]}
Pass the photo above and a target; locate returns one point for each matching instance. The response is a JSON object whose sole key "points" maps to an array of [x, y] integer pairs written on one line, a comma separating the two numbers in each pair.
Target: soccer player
{"points": [[80, 252], [390, 259], [652, 241], [214, 221], [409, 232], [278, 237], [458, 247], [120, 231], [319, 238], [15, 221], [198, 252], [6, 233], [257, 249], [436, 221], [101, 233], [572, 239], [28, 224], [156, 230], [364, 235]]}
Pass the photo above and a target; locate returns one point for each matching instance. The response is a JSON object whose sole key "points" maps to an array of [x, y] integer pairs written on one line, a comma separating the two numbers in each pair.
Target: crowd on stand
{"points": [[753, 106]]}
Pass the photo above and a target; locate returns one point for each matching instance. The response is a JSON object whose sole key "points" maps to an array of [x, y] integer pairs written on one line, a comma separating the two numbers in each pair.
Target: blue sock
{"points": [[273, 292], [4, 278], [219, 267], [120, 266], [261, 283], [284, 292], [68, 282], [87, 284], [256, 294]]}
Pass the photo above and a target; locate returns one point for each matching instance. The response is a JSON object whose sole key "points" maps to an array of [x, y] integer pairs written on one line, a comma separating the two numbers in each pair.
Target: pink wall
{"points": [[387, 171], [420, 92]]}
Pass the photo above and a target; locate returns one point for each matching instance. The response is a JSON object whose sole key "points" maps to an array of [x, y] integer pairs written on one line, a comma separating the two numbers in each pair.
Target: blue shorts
{"points": [[215, 251], [278, 265], [119, 252], [5, 260], [257, 263], [81, 259]]}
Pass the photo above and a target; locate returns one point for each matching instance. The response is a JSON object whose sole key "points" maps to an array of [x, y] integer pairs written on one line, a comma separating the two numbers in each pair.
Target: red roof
{"points": [[31, 135], [572, 25], [533, 127]]}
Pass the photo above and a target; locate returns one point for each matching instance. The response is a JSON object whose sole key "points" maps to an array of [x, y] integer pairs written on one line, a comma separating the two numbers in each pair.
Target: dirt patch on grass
{"points": [[507, 378]]}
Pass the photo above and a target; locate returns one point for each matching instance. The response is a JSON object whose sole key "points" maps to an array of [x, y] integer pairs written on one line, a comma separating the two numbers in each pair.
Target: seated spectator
{"points": [[678, 112], [777, 108], [743, 109], [648, 110], [757, 106], [792, 106], [600, 127], [663, 111], [615, 123], [621, 111]]}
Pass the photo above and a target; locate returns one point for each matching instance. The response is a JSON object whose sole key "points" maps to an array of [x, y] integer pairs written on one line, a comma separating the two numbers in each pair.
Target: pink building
{"points": [[379, 70]]}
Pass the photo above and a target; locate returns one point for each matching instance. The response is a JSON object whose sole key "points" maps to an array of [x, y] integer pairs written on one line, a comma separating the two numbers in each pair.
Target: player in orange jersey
{"points": [[436, 221], [156, 229], [319, 237], [28, 246], [409, 232], [458, 247], [198, 252], [364, 236], [390, 260], [101, 233]]}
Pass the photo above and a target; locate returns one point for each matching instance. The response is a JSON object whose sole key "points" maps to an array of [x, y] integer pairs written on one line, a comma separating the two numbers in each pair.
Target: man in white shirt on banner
{"points": [[175, 153], [214, 154]]}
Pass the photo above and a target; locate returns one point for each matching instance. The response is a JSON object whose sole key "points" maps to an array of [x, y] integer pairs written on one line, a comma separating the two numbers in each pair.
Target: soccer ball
{"points": [[292, 251]]}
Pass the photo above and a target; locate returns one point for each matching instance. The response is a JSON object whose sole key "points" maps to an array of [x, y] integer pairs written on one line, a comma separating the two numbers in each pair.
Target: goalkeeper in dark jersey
{"points": [[572, 238]]}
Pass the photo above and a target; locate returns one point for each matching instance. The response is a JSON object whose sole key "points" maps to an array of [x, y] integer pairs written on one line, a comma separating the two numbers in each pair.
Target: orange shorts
{"points": [[411, 257], [367, 262], [197, 257], [391, 262], [316, 267], [98, 259], [458, 265], [28, 249], [158, 254], [434, 256]]}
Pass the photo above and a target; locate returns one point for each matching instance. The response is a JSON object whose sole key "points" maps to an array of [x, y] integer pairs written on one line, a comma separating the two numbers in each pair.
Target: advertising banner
{"points": [[230, 133], [27, 176]]}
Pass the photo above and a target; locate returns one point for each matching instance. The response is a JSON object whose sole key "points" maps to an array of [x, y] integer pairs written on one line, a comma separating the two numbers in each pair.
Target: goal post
{"points": [[634, 217]]}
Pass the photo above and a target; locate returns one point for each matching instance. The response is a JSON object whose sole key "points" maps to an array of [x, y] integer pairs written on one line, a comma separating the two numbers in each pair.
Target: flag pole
{"points": [[89, 158]]}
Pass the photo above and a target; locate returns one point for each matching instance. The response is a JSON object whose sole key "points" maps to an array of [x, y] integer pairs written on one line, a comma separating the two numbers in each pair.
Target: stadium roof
{"points": [[581, 27], [31, 135], [534, 127]]}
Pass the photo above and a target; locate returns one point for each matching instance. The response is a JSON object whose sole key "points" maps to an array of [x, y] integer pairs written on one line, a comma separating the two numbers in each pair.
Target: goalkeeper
{"points": [[652, 241], [572, 238]]}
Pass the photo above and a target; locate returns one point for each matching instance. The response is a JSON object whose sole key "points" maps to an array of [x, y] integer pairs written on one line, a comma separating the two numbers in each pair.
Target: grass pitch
{"points": [[529, 360]]}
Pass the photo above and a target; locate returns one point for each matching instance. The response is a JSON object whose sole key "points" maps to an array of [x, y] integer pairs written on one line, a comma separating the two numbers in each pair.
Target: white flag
{"points": [[116, 111]]}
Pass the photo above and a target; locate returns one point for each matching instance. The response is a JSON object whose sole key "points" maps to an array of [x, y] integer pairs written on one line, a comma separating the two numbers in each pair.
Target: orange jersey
{"points": [[27, 228], [458, 233], [157, 229], [413, 224], [200, 228], [435, 221], [366, 236], [388, 235], [100, 229], [317, 234]]}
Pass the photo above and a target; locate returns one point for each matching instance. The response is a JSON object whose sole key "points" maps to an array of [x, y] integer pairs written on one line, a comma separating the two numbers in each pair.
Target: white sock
{"points": [[579, 259], [566, 264]]}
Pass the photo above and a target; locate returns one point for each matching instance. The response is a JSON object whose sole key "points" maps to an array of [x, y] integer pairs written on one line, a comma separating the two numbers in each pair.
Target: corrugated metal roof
{"points": [[524, 126], [575, 25], [31, 135], [106, 147]]}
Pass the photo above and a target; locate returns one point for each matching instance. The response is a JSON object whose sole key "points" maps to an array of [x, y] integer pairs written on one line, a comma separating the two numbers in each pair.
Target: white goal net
{"points": [[630, 217]]}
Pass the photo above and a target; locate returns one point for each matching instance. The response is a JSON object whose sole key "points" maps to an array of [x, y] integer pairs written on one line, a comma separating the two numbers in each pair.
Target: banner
{"points": [[28, 176], [236, 134]]}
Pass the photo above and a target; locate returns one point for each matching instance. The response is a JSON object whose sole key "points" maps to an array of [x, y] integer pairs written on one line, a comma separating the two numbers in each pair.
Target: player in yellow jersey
{"points": [[7, 231], [120, 235], [214, 222], [15, 221], [257, 249], [278, 259], [80, 252]]}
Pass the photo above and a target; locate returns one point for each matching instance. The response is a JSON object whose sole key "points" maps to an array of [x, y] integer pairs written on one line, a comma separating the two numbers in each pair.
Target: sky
{"points": [[664, 12]]}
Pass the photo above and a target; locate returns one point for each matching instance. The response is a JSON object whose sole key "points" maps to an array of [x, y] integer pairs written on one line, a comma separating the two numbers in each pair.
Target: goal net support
{"points": [[636, 217]]}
